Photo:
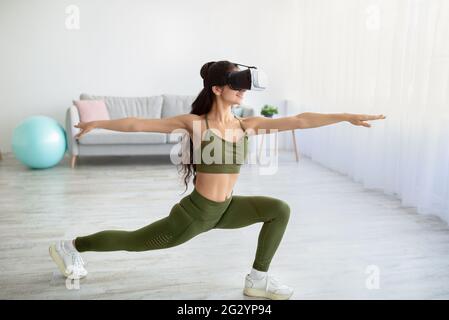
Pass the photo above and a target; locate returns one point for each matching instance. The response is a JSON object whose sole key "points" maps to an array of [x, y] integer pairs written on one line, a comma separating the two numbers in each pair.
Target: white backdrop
{"points": [[386, 57], [355, 56]]}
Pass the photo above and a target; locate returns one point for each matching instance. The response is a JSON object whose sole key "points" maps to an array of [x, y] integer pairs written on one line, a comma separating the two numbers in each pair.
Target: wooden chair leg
{"points": [[260, 148], [73, 161], [276, 144], [296, 148]]}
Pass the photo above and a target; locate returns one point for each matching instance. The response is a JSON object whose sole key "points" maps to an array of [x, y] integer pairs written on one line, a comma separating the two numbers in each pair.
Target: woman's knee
{"points": [[282, 209]]}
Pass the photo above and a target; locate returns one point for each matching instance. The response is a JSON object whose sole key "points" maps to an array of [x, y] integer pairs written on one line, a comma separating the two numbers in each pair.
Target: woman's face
{"points": [[230, 96]]}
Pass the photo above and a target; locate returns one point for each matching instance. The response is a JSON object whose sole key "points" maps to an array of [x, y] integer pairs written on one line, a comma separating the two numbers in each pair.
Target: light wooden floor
{"points": [[337, 229]]}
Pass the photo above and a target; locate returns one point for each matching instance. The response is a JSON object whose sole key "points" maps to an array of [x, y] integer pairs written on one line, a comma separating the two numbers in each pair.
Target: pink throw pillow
{"points": [[92, 110]]}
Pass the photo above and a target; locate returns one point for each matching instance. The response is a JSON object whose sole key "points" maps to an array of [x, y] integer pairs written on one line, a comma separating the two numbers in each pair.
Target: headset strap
{"points": [[245, 65], [207, 124]]}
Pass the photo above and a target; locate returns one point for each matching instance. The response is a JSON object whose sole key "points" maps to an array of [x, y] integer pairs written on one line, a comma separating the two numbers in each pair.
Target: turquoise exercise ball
{"points": [[39, 142]]}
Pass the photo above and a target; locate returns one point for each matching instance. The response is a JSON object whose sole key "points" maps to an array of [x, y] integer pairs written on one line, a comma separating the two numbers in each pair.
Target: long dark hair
{"points": [[213, 73]]}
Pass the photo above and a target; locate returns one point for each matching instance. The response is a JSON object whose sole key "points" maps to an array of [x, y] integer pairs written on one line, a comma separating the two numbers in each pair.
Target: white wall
{"points": [[135, 48]]}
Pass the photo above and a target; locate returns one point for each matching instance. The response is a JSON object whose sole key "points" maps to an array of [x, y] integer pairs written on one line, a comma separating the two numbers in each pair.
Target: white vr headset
{"points": [[249, 79]]}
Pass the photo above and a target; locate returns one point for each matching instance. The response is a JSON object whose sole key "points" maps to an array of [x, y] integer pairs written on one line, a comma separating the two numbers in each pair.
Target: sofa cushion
{"points": [[174, 105], [124, 107], [243, 111], [247, 111], [105, 136], [91, 110], [237, 110], [174, 137]]}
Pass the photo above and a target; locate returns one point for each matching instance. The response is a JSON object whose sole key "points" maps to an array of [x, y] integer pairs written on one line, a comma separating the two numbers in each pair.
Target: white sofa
{"points": [[108, 142]]}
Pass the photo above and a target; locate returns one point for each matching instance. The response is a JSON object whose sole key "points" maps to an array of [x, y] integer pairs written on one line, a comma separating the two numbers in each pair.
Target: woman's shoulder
{"points": [[195, 122], [191, 118]]}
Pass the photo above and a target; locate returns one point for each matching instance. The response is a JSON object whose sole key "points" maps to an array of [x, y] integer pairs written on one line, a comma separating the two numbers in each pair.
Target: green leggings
{"points": [[195, 214]]}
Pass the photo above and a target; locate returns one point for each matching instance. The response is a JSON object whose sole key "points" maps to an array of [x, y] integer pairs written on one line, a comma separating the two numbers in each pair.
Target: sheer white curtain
{"points": [[386, 57]]}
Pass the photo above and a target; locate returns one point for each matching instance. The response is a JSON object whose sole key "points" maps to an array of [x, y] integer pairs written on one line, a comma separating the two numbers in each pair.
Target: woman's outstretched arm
{"points": [[307, 120], [133, 124]]}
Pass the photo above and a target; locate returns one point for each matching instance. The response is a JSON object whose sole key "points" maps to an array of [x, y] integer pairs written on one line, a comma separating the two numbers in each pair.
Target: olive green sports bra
{"points": [[231, 154]]}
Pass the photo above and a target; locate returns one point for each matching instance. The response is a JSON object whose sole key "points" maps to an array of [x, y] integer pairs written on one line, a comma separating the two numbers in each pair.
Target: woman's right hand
{"points": [[85, 128]]}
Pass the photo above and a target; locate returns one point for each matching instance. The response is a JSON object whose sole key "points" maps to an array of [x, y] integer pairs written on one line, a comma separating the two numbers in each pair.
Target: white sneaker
{"points": [[267, 287], [70, 263]]}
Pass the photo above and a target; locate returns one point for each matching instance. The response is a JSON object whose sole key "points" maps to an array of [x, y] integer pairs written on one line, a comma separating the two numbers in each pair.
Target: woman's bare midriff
{"points": [[215, 186]]}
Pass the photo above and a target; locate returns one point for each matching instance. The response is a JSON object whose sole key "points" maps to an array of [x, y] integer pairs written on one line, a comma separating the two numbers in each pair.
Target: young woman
{"points": [[211, 204]]}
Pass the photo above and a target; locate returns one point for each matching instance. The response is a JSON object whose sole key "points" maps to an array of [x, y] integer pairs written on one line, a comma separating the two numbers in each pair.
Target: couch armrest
{"points": [[72, 118]]}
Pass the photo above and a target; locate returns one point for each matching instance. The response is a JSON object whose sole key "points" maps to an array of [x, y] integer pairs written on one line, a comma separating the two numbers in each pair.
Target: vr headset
{"points": [[249, 79]]}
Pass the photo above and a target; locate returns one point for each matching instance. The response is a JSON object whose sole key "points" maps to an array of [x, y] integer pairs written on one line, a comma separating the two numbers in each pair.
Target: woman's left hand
{"points": [[359, 119]]}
